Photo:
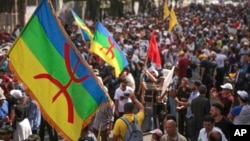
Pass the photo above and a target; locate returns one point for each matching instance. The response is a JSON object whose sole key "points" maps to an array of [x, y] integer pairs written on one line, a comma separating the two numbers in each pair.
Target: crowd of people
{"points": [[209, 49]]}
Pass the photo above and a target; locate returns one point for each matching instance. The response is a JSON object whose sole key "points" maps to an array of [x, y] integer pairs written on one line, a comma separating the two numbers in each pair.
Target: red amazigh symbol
{"points": [[63, 88], [112, 45]]}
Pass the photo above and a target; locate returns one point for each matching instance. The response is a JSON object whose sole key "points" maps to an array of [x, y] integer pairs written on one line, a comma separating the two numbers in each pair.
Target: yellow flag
{"points": [[166, 11], [173, 20]]}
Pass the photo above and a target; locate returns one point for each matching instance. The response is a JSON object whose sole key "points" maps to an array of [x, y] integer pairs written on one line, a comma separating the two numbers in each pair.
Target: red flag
{"points": [[153, 51]]}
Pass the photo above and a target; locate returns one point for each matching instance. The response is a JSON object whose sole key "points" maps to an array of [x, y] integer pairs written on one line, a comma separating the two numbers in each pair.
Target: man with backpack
{"points": [[128, 127]]}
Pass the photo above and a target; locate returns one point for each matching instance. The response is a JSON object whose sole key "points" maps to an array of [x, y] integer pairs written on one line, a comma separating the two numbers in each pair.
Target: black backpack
{"points": [[134, 132]]}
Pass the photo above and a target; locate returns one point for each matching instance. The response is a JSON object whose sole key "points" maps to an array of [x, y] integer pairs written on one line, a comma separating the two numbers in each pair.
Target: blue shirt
{"points": [[4, 111], [192, 96], [34, 115]]}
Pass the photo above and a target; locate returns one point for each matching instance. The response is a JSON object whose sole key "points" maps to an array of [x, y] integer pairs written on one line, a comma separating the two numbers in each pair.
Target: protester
{"points": [[4, 110], [225, 97], [129, 108], [87, 135], [19, 117], [200, 107], [103, 121], [156, 135], [221, 121], [214, 39], [172, 132], [183, 93], [241, 114], [208, 127]]}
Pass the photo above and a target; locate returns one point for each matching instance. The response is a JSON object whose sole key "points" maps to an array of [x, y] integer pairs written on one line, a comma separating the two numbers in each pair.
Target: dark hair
{"points": [[202, 89], [33, 137], [214, 136], [170, 117], [129, 107], [218, 106], [209, 118]]}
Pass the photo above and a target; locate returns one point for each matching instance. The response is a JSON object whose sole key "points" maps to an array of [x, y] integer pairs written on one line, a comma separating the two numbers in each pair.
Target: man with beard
{"points": [[220, 121], [189, 115]]}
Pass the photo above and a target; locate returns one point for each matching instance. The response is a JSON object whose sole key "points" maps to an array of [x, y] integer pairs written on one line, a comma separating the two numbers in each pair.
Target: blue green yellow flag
{"points": [[106, 47], [48, 63], [87, 34]]}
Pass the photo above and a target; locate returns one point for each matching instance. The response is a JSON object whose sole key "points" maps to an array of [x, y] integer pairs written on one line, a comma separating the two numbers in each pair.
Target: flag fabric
{"points": [[166, 11], [106, 48], [168, 78], [87, 34], [153, 52], [55, 74], [173, 20]]}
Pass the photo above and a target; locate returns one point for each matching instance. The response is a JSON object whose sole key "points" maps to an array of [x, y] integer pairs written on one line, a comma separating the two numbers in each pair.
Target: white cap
{"points": [[243, 95], [17, 94], [227, 86]]}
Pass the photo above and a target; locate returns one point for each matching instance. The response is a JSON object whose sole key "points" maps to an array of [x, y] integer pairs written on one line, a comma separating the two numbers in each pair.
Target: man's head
{"points": [[6, 132], [216, 109], [170, 117], [208, 123], [129, 108], [243, 96], [171, 127], [203, 89], [226, 89], [184, 82], [124, 83], [2, 73], [214, 136], [195, 86]]}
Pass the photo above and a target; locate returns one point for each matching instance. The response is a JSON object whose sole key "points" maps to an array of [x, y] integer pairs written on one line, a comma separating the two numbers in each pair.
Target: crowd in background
{"points": [[209, 48]]}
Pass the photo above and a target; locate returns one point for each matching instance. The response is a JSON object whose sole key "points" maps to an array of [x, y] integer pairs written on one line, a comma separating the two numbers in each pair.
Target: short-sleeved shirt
{"points": [[227, 102], [207, 65], [241, 115], [122, 98], [183, 66], [203, 134], [4, 110], [120, 126], [179, 137]]}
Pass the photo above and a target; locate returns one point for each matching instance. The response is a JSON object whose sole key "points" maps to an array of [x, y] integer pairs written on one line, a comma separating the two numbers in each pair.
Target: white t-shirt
{"points": [[203, 134], [122, 98], [220, 59]]}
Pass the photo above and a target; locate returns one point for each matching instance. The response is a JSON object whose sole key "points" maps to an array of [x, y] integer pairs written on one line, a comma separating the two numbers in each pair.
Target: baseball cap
{"points": [[243, 95], [17, 94], [158, 132], [227, 86]]}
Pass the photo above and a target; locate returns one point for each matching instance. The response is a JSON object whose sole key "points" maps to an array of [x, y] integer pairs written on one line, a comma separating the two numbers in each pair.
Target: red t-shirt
{"points": [[183, 66], [227, 102]]}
